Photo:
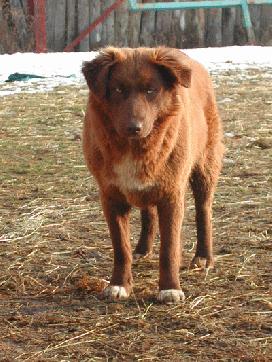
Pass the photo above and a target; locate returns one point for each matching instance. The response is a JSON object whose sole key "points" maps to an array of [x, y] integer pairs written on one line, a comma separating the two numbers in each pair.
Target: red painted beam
{"points": [[40, 25], [93, 25]]}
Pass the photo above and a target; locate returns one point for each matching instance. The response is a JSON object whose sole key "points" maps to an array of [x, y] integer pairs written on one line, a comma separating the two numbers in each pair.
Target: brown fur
{"points": [[151, 127]]}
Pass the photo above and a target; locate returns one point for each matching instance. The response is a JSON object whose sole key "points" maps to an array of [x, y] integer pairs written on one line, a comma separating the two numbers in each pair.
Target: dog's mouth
{"points": [[138, 137], [134, 135]]}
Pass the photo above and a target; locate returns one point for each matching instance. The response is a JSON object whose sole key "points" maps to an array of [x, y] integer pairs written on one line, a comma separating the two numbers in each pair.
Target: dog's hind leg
{"points": [[149, 222], [203, 182]]}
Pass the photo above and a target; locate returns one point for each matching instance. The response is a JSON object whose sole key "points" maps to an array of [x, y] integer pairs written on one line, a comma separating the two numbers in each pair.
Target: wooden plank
{"points": [[213, 27], [71, 20], [2, 31], [28, 17], [25, 6], [60, 31], [147, 27], [180, 28], [96, 34], [195, 28], [188, 31], [228, 24], [1, 15], [134, 24], [240, 35], [163, 29], [255, 13], [8, 38], [176, 28], [19, 21], [107, 29], [121, 25], [50, 24], [201, 27], [83, 22], [266, 25]]}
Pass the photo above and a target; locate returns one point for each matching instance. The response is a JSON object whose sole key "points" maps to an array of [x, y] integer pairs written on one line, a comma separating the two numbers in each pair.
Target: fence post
{"points": [[248, 23]]}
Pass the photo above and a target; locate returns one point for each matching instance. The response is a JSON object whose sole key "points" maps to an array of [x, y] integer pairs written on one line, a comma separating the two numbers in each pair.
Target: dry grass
{"points": [[55, 250]]}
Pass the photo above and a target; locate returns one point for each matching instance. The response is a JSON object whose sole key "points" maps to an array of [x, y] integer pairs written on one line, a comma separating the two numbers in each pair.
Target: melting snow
{"points": [[65, 68]]}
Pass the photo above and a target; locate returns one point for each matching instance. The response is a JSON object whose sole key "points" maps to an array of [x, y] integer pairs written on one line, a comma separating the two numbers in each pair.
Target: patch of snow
{"points": [[229, 134], [65, 68], [232, 57]]}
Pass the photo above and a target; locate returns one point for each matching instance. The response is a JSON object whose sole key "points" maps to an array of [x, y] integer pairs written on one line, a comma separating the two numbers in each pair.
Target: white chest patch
{"points": [[129, 175]]}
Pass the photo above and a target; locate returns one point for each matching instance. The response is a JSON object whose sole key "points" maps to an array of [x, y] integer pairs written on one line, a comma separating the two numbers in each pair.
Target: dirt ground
{"points": [[55, 251]]}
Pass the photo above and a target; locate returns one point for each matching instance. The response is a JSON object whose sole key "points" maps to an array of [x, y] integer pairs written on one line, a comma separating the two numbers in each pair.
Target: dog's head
{"points": [[137, 87]]}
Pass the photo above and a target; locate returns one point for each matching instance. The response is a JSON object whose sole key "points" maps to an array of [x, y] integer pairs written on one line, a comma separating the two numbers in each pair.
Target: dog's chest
{"points": [[131, 175]]}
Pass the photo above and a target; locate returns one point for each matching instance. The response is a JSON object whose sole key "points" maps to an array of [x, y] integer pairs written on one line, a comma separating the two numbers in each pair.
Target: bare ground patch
{"points": [[55, 250]]}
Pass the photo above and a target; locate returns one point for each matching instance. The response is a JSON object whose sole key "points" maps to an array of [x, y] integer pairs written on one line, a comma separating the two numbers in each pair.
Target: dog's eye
{"points": [[118, 90], [150, 91]]}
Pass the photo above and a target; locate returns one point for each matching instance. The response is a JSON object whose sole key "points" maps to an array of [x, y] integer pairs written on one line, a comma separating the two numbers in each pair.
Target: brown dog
{"points": [[151, 126]]}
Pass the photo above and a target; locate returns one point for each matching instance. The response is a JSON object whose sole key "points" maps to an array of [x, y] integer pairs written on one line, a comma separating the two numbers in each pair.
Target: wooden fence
{"points": [[182, 29]]}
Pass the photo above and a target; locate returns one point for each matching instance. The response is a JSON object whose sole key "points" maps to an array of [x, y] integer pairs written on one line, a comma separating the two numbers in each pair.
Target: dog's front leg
{"points": [[117, 216], [170, 211]]}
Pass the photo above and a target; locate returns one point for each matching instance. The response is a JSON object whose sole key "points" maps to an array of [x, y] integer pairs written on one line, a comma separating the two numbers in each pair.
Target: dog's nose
{"points": [[134, 128]]}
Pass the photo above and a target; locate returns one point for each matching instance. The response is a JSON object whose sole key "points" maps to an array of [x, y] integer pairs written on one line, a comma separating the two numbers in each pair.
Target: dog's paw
{"points": [[115, 292], [139, 256], [202, 263], [171, 296]]}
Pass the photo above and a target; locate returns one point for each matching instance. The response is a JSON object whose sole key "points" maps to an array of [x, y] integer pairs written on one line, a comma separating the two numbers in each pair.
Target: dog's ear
{"points": [[96, 71], [174, 65]]}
